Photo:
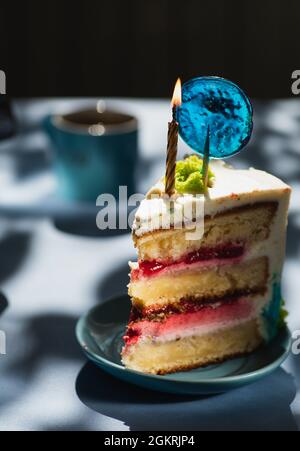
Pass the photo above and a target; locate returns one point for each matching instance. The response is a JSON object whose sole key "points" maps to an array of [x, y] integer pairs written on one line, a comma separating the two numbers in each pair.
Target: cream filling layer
{"points": [[198, 331], [215, 282]]}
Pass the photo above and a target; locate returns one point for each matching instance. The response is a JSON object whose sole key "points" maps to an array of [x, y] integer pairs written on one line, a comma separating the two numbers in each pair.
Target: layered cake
{"points": [[200, 298]]}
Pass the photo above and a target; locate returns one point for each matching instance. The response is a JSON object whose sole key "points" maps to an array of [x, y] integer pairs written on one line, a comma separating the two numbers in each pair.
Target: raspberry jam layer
{"points": [[205, 320], [224, 252]]}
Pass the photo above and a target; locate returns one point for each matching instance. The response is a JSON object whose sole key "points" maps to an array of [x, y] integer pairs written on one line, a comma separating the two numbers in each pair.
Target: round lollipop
{"points": [[218, 109]]}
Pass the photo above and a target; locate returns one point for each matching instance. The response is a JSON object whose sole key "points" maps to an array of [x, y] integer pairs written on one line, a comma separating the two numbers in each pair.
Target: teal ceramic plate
{"points": [[100, 336]]}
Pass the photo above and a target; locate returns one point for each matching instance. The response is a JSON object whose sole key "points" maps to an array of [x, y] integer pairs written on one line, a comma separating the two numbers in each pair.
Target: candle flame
{"points": [[177, 100]]}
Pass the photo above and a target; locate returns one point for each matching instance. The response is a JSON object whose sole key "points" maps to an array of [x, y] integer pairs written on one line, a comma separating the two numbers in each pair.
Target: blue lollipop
{"points": [[217, 110]]}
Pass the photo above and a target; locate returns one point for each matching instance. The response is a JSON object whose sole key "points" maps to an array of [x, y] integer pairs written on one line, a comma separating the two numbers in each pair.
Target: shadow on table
{"points": [[293, 237], [86, 227], [43, 350], [294, 360], [13, 249], [50, 336], [262, 406], [114, 283], [3, 303]]}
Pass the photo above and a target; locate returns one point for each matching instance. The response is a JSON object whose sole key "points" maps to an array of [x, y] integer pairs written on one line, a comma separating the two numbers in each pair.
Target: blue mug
{"points": [[94, 153]]}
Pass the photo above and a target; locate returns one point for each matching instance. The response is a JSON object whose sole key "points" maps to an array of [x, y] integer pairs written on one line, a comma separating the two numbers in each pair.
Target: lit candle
{"points": [[173, 142]]}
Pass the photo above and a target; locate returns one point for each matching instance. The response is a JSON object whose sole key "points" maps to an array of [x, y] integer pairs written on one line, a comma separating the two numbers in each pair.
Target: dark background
{"points": [[139, 47]]}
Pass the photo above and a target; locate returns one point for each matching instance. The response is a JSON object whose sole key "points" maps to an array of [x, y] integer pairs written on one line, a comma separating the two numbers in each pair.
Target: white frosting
{"points": [[232, 188]]}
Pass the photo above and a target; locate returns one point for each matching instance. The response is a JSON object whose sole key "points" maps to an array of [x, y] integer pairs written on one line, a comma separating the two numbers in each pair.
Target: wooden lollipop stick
{"points": [[206, 160]]}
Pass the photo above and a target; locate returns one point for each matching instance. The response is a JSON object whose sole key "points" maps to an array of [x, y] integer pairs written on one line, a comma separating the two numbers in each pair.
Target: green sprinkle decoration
{"points": [[283, 314], [189, 177]]}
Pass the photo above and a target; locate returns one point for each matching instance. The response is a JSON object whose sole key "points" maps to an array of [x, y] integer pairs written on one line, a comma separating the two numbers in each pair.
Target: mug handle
{"points": [[7, 120], [47, 126]]}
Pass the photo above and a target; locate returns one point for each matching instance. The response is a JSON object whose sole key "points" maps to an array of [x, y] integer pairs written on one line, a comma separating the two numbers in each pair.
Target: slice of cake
{"points": [[202, 298]]}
